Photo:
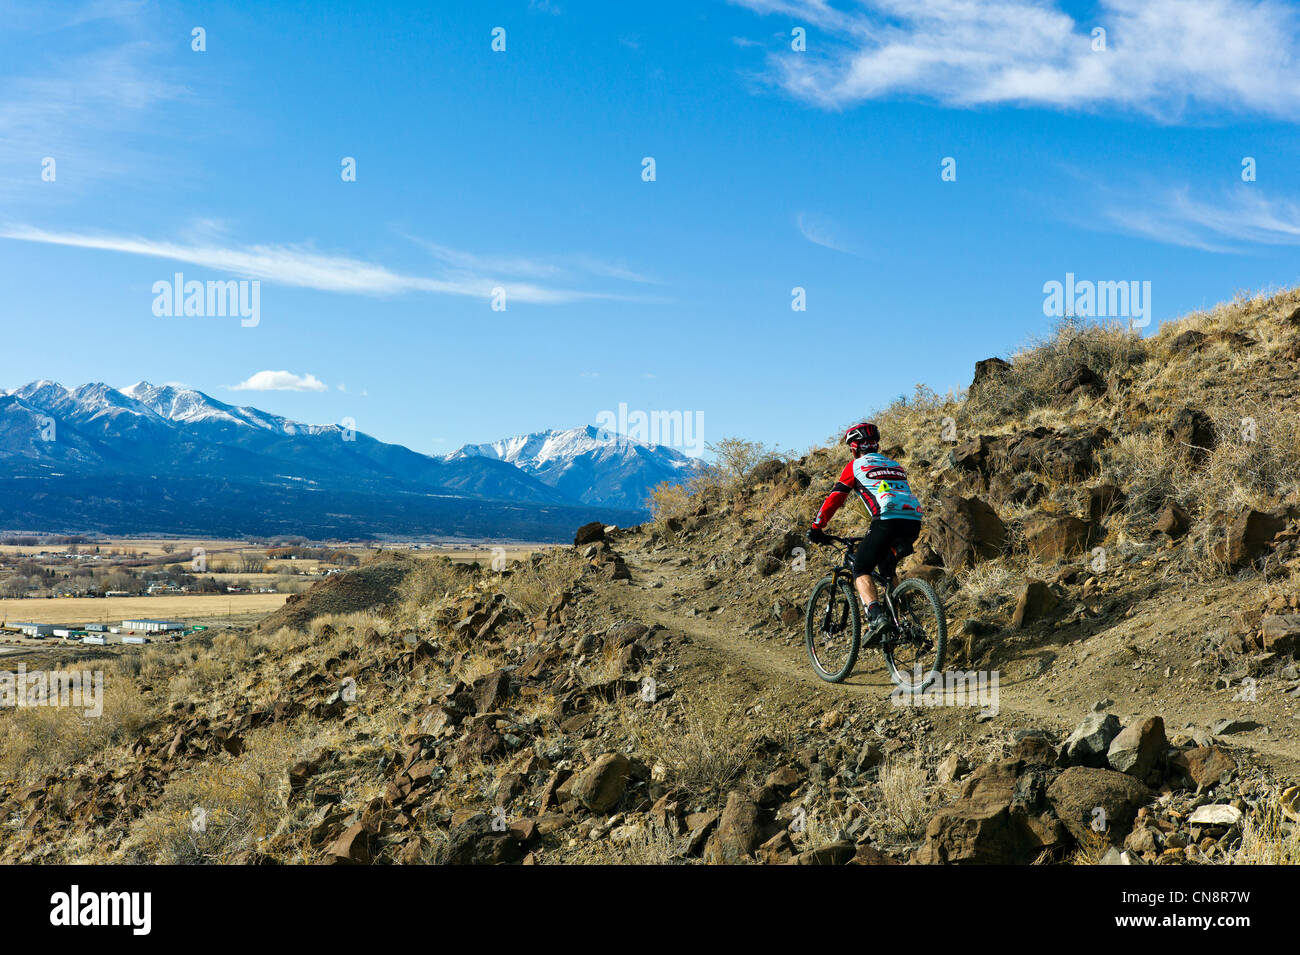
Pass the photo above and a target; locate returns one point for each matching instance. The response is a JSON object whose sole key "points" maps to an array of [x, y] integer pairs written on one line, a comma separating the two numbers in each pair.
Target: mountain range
{"points": [[588, 464], [162, 459]]}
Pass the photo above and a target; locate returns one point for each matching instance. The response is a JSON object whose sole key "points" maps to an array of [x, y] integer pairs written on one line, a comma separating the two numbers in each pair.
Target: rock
{"points": [[1139, 747], [1193, 431], [1173, 521], [966, 530], [1289, 802], [1216, 815], [1056, 536], [1104, 500], [765, 472], [1078, 792], [990, 823], [988, 369], [1035, 601], [737, 833], [1065, 456], [952, 768], [601, 785], [1251, 533], [353, 846], [1188, 341], [589, 534], [1080, 381], [1281, 633], [1204, 766], [835, 853], [491, 690], [1091, 739], [475, 842], [869, 855], [767, 566], [1227, 726]]}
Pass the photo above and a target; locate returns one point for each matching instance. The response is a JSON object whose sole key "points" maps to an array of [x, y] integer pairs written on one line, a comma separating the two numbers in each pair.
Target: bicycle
{"points": [[915, 625]]}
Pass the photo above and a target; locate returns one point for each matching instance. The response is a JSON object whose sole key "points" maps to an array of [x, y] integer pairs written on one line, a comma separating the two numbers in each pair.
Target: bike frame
{"points": [[845, 572]]}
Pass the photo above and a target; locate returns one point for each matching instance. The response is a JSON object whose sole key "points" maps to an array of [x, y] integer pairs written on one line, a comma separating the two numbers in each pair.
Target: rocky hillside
{"points": [[1112, 522]]}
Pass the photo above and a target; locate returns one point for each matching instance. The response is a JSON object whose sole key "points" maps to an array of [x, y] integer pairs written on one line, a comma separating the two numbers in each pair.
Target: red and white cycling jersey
{"points": [[881, 484]]}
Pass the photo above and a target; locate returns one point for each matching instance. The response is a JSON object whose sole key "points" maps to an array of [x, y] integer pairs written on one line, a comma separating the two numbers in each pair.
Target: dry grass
{"points": [[217, 809], [902, 786], [38, 741], [1267, 837], [533, 586], [706, 749]]}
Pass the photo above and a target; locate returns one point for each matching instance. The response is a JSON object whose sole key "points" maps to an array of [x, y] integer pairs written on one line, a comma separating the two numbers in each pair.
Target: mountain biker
{"points": [[881, 485]]}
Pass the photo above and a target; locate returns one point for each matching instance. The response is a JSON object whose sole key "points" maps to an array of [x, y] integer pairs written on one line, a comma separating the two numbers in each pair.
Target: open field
{"points": [[192, 608]]}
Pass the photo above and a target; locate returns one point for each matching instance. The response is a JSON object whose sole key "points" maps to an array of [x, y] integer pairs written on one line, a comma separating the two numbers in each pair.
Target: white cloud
{"points": [[817, 233], [1163, 57], [280, 381], [303, 267], [1221, 222]]}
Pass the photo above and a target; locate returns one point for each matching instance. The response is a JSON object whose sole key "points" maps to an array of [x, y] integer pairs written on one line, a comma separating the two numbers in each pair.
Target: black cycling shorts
{"points": [[887, 542]]}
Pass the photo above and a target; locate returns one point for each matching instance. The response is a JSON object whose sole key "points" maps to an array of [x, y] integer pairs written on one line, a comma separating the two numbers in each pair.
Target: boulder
{"points": [[1056, 536], [1221, 815], [1139, 747], [834, 853], [1091, 739], [491, 690], [475, 842], [1251, 533], [1104, 500], [738, 832], [1065, 456], [965, 531], [589, 534], [1173, 521], [1080, 791], [991, 822], [1081, 381], [1204, 766], [1281, 633], [1192, 431], [1036, 600], [601, 785], [988, 369]]}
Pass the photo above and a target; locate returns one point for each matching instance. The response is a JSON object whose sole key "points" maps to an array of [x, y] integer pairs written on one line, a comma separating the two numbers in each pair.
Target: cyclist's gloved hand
{"points": [[818, 536]]}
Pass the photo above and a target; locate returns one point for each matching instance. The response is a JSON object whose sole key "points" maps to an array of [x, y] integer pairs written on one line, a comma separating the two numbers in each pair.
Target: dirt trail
{"points": [[1048, 687]]}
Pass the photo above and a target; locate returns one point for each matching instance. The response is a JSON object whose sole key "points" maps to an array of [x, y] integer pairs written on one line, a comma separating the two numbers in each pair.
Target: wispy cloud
{"points": [[818, 233], [304, 267], [79, 108], [1222, 222], [1162, 57], [280, 381]]}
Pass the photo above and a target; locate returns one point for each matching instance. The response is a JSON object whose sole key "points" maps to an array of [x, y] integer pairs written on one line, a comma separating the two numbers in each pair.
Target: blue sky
{"points": [[522, 169]]}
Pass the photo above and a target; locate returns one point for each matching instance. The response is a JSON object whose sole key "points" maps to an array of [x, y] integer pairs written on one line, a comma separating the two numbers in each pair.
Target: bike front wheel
{"points": [[914, 654], [833, 629]]}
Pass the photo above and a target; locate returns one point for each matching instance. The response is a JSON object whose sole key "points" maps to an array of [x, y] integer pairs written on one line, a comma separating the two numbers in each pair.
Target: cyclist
{"points": [[881, 485]]}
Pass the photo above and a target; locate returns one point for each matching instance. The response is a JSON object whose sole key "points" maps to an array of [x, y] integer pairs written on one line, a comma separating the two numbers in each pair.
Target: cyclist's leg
{"points": [[865, 558], [902, 537]]}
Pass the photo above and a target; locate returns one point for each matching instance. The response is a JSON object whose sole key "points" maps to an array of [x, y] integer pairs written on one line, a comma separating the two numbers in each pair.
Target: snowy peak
{"points": [[592, 464]]}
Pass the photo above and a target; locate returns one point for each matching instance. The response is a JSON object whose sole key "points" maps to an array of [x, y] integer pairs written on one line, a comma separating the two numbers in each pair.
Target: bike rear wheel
{"points": [[833, 629], [914, 654]]}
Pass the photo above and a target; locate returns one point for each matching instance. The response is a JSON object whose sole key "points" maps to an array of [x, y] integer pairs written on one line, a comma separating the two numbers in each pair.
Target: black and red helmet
{"points": [[863, 437]]}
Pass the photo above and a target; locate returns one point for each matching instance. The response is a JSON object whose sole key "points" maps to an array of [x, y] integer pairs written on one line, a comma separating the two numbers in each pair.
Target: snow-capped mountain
{"points": [[160, 458], [590, 464]]}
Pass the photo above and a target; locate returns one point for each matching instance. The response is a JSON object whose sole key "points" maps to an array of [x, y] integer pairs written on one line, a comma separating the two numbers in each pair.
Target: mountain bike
{"points": [[913, 638]]}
